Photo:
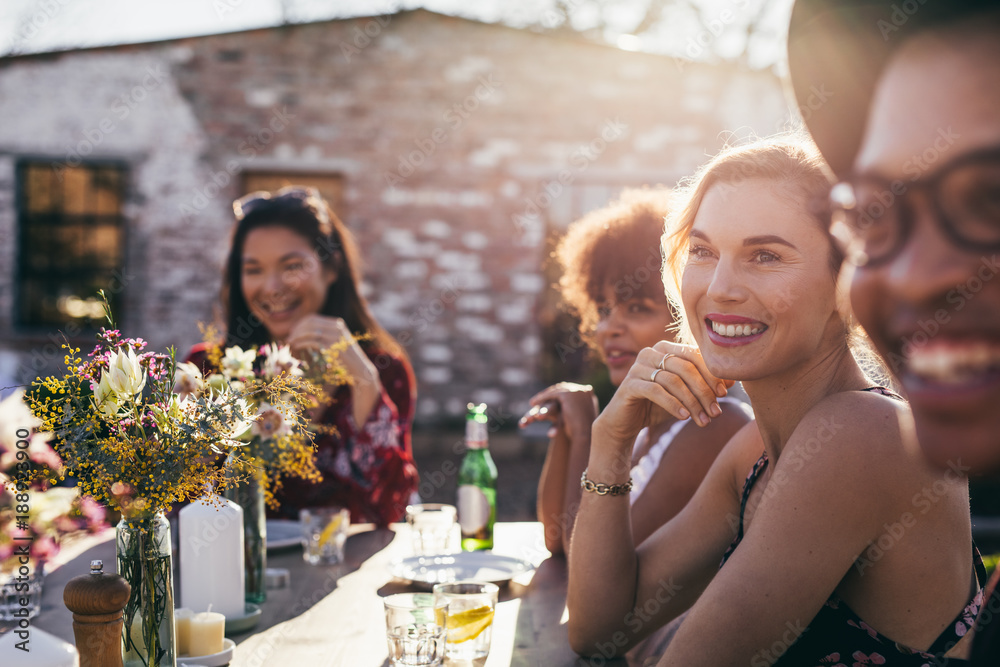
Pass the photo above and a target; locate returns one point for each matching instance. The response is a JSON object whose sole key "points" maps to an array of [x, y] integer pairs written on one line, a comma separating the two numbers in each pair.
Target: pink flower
{"points": [[861, 659], [864, 626], [43, 548]]}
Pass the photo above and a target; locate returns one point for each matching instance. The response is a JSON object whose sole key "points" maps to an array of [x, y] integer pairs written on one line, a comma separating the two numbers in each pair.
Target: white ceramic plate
{"points": [[478, 565], [214, 660], [283, 533]]}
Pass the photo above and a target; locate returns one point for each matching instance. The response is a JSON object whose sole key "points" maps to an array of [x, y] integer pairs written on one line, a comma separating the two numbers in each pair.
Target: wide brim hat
{"points": [[837, 50]]}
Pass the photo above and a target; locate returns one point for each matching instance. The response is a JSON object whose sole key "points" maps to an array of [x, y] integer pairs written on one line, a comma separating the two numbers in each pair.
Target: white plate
{"points": [[478, 565], [283, 533], [214, 660]]}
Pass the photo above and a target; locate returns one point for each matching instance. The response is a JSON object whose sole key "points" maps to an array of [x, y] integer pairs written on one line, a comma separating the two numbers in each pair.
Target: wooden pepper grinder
{"points": [[97, 600]]}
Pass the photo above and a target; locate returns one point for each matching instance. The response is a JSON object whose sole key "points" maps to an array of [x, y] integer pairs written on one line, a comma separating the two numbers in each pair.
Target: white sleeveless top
{"points": [[644, 470]]}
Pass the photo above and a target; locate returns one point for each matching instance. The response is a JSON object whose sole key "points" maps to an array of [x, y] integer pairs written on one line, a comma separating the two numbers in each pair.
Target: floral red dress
{"points": [[367, 468]]}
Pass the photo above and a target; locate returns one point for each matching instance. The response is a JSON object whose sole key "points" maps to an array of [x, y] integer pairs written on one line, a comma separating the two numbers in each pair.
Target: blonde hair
{"points": [[790, 161]]}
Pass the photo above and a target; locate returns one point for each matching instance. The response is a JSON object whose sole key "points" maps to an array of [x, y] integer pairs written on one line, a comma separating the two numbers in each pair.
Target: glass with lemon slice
{"points": [[471, 606], [324, 532]]}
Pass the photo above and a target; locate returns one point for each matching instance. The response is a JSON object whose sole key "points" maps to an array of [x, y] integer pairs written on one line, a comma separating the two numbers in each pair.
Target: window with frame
{"points": [[71, 233]]}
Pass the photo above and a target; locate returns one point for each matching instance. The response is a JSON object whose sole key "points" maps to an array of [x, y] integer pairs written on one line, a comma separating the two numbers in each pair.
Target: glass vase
{"points": [[250, 496], [145, 561]]}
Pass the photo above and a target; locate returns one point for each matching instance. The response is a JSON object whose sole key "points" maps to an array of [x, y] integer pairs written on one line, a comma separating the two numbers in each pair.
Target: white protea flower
{"points": [[244, 418], [278, 359], [105, 398], [188, 379], [237, 364], [270, 423], [126, 376], [172, 412]]}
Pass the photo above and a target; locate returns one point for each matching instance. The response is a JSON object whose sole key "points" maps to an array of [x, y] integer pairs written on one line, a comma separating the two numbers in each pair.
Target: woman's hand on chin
{"points": [[666, 379], [315, 333]]}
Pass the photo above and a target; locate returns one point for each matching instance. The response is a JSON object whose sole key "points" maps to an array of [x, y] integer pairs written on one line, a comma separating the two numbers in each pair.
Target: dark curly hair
{"points": [[617, 246]]}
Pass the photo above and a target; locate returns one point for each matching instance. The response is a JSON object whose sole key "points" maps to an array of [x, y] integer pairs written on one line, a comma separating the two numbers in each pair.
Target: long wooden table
{"points": [[333, 615]]}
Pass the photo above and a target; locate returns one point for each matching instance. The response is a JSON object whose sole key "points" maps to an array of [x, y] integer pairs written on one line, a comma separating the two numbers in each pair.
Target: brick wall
{"points": [[460, 146]]}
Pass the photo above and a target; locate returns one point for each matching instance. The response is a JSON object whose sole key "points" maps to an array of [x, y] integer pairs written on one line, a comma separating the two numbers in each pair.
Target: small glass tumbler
{"points": [[324, 531], [415, 629], [431, 528], [471, 606]]}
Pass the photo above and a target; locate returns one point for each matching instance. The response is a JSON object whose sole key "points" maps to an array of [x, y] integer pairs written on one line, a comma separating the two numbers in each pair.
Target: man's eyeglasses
{"points": [[872, 217], [306, 196]]}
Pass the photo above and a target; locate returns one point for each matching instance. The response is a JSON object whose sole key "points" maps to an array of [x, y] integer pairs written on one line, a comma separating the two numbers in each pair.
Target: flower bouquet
{"points": [[133, 444], [279, 444]]}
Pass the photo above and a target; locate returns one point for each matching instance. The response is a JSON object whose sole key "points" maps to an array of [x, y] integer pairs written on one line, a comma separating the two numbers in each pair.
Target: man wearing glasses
{"points": [[919, 217]]}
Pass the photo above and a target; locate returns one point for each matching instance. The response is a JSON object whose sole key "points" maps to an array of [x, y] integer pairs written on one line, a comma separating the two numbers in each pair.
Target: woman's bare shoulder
{"points": [[856, 419], [855, 437]]}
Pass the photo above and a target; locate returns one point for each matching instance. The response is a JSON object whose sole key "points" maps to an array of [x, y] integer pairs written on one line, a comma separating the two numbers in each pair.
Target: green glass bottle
{"points": [[477, 484]]}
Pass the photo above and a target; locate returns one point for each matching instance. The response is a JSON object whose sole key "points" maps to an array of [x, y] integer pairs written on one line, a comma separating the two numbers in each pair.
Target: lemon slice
{"points": [[330, 530], [468, 624]]}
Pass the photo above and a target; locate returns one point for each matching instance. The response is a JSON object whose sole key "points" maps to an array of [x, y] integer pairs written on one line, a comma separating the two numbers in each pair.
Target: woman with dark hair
{"points": [[292, 277], [610, 262]]}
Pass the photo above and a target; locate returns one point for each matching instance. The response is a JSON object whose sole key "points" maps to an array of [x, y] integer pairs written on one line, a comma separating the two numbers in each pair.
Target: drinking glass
{"points": [[324, 531], [471, 606], [431, 528], [415, 629]]}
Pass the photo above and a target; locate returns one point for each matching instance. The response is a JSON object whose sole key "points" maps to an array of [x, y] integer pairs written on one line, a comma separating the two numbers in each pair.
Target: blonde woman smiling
{"points": [[787, 519]]}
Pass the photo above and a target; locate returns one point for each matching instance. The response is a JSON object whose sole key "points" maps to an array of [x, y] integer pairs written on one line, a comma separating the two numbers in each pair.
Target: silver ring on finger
{"points": [[652, 378], [664, 360]]}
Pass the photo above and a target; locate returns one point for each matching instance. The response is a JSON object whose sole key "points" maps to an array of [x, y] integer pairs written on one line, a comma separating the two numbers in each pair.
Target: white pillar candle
{"points": [[208, 631], [36, 648], [211, 539], [182, 626]]}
